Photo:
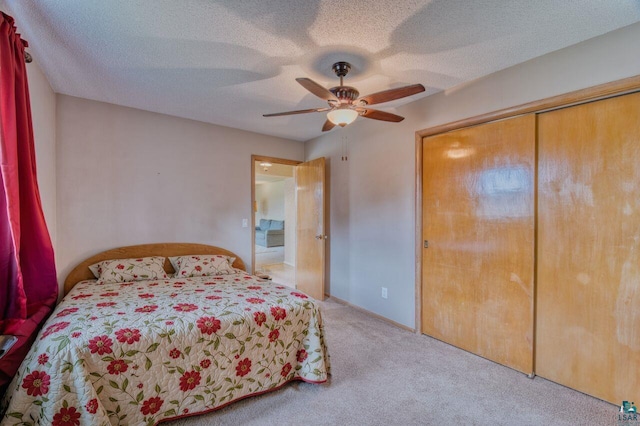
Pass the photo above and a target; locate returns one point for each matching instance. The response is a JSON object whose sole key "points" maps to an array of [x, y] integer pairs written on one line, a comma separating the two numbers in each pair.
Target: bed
{"points": [[147, 351]]}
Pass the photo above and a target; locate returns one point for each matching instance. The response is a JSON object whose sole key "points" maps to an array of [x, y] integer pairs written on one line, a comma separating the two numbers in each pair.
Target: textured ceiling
{"points": [[228, 62]]}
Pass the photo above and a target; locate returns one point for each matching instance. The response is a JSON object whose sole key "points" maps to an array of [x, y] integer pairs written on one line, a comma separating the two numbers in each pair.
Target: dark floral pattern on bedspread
{"points": [[142, 352]]}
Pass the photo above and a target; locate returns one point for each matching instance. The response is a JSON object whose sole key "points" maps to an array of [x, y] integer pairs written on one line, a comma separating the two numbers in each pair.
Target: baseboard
{"points": [[290, 264], [368, 312]]}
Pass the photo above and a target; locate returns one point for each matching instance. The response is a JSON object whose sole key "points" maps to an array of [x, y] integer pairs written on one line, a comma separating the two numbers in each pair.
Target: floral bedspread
{"points": [[147, 351]]}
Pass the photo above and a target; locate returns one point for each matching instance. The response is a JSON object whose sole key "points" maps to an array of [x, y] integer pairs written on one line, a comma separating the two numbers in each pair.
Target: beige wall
{"points": [[372, 218], [43, 114], [270, 199], [111, 176], [290, 221], [127, 176]]}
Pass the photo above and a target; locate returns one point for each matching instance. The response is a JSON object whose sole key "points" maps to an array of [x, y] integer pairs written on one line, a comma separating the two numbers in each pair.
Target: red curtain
{"points": [[28, 284]]}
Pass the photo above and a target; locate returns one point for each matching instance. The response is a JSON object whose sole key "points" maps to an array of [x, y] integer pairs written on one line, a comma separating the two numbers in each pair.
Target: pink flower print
{"points": [[81, 296], [189, 380], [285, 370], [66, 312], [278, 313], [117, 366], [100, 345], [185, 307], [128, 335], [67, 416], [54, 328], [147, 309], [301, 355], [259, 318], [92, 406], [151, 406], [208, 325], [36, 383], [243, 368]]}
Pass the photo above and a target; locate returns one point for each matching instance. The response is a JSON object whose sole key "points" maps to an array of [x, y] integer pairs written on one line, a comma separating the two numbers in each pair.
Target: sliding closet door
{"points": [[588, 312], [478, 219]]}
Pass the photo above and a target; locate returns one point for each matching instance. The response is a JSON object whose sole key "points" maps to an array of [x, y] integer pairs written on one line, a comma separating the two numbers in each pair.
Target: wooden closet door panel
{"points": [[588, 304], [478, 216]]}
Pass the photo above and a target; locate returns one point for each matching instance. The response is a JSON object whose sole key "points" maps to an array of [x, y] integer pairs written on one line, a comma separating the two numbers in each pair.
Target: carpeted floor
{"points": [[268, 255], [383, 375], [281, 273]]}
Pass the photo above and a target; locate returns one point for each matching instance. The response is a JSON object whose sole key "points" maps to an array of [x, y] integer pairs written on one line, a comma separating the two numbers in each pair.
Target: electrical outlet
{"points": [[245, 223], [384, 292]]}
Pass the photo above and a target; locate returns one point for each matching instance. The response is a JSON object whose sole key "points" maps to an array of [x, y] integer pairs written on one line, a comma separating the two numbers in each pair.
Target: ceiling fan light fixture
{"points": [[265, 165], [342, 117], [345, 103]]}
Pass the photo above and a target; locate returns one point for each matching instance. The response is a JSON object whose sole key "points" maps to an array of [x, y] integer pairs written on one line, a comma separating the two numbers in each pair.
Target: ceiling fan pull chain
{"points": [[346, 148]]}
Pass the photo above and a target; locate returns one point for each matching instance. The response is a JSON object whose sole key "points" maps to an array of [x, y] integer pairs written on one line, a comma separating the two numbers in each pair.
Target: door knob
{"points": [[318, 237]]}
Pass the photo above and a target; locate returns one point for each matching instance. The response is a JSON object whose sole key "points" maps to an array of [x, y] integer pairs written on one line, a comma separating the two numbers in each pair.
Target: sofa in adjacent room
{"points": [[270, 233]]}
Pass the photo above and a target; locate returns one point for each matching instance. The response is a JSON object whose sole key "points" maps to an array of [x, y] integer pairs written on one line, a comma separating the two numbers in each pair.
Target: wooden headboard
{"points": [[82, 272]]}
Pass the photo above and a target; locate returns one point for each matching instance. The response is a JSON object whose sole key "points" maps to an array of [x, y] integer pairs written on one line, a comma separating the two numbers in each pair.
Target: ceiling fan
{"points": [[345, 105]]}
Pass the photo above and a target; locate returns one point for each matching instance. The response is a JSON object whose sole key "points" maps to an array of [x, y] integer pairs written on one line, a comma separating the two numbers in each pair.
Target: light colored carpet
{"points": [[281, 273], [383, 375], [269, 255], [261, 249]]}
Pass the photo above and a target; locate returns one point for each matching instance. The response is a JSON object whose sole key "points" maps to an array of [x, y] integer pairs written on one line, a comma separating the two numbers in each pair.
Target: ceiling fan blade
{"points": [[301, 111], [317, 90], [379, 115], [328, 125], [391, 94]]}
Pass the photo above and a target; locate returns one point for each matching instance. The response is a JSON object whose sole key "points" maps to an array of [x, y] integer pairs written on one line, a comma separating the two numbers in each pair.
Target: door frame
{"points": [[602, 91], [272, 160]]}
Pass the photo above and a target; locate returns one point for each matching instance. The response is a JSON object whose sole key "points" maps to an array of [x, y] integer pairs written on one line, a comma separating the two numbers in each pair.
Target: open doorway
{"points": [[274, 219]]}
